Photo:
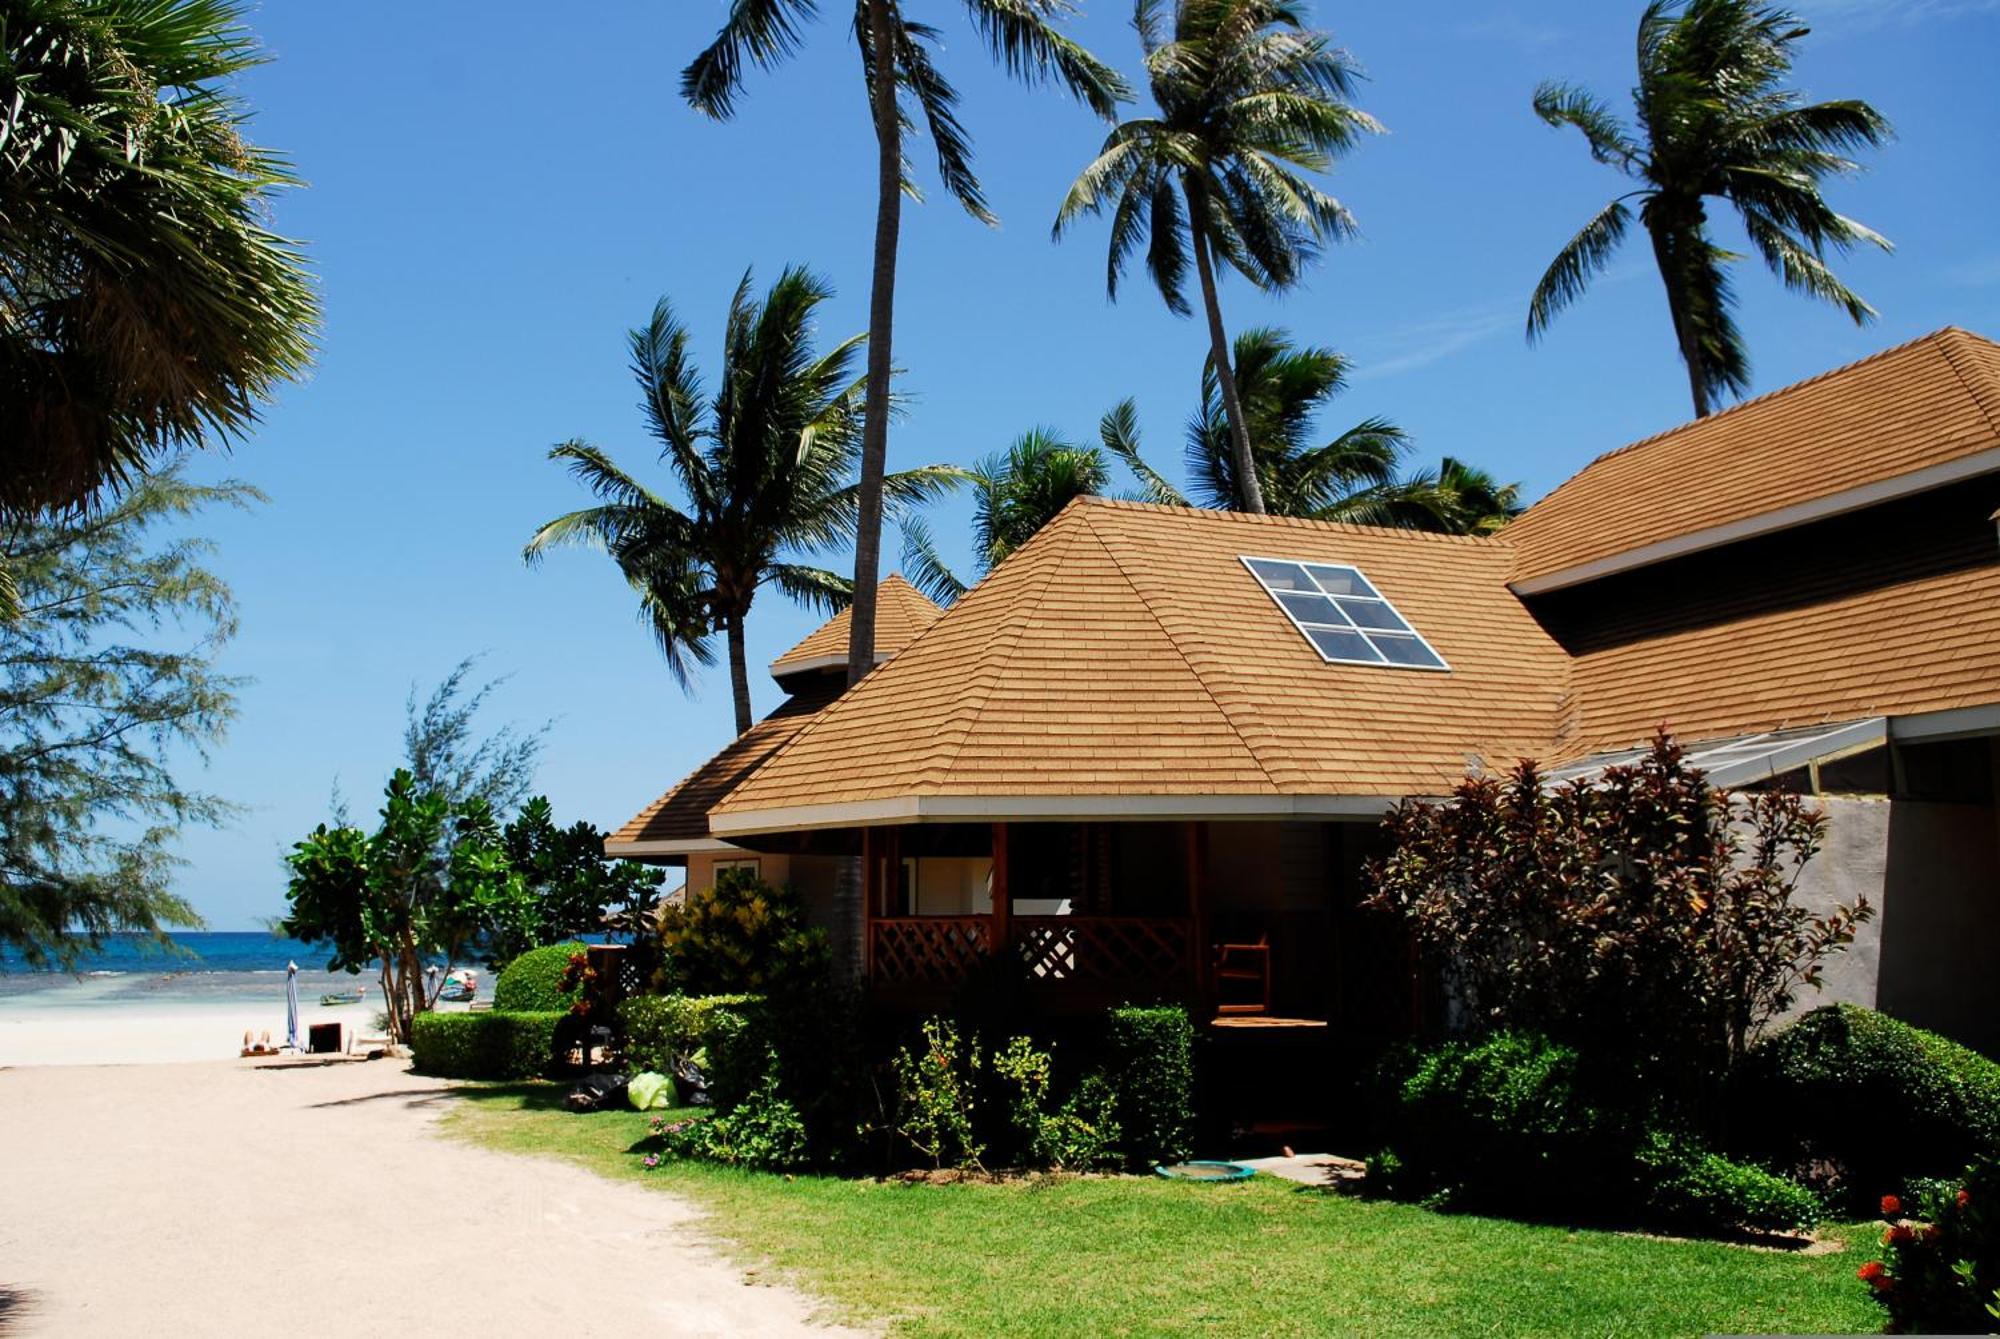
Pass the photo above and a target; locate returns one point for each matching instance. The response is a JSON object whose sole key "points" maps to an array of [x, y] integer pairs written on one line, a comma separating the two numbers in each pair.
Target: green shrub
{"points": [[659, 1027], [532, 983], [1500, 1123], [1149, 1064], [763, 1132], [741, 935], [1866, 1102], [489, 1045], [937, 1095], [1075, 1137], [1685, 1186], [1940, 1266]]}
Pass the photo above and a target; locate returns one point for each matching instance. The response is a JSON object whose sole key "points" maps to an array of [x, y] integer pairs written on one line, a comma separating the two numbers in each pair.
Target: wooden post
{"points": [[870, 888], [1196, 838], [1002, 897]]}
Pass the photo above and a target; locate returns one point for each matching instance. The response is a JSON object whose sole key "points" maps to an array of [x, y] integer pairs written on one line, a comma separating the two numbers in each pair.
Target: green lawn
{"points": [[1129, 1256]]}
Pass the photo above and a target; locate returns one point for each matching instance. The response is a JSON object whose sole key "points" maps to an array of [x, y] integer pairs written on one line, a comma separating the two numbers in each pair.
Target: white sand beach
{"points": [[311, 1197], [85, 1035]]}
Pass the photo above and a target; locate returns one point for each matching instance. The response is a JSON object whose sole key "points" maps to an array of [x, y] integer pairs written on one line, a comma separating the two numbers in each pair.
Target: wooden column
{"points": [[1195, 837], [1002, 896], [870, 894]]}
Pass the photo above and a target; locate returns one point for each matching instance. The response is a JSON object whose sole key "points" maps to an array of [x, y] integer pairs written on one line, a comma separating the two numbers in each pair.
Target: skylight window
{"points": [[1344, 617]]}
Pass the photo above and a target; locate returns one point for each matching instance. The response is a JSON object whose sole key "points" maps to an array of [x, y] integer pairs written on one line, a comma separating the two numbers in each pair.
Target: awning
{"points": [[1734, 761]]}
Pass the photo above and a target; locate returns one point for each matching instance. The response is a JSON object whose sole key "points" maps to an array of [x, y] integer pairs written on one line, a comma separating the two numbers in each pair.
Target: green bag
{"points": [[650, 1092]]}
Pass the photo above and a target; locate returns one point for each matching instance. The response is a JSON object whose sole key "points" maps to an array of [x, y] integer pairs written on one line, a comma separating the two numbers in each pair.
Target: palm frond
{"points": [[1567, 105], [814, 587], [938, 101], [1022, 36], [1582, 258], [924, 566], [1119, 431], [763, 32]]}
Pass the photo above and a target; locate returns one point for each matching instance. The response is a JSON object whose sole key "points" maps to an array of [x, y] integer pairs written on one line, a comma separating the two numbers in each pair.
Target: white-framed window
{"points": [[753, 867], [1342, 615]]}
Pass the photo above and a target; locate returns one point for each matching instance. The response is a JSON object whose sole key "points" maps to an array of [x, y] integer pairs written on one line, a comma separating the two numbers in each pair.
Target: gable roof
{"points": [[1912, 417], [901, 612], [1125, 651], [677, 822]]}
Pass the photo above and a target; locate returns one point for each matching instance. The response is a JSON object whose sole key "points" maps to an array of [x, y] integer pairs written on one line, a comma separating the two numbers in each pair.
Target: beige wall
{"points": [[954, 885]]}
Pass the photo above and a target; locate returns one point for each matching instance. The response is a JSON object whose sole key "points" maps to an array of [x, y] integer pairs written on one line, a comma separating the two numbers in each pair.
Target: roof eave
{"points": [[907, 809], [1785, 518]]}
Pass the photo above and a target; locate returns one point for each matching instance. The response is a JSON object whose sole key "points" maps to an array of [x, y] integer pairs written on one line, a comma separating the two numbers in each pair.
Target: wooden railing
{"points": [[927, 951], [1081, 954]]}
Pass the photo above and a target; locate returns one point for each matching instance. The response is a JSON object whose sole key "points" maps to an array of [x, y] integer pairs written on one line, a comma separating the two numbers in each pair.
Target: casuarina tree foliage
{"points": [[1715, 122], [108, 686], [145, 306], [903, 83]]}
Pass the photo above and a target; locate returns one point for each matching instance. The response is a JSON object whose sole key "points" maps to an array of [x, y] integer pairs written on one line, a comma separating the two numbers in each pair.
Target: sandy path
{"points": [[244, 1199]]}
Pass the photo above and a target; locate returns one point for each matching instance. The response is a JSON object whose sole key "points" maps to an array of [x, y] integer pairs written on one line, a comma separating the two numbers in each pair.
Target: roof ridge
{"points": [[1201, 680], [1014, 625], [1219, 514], [1719, 415], [1976, 388]]}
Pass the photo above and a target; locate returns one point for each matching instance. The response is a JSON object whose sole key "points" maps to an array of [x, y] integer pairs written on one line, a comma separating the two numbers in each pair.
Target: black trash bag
{"points": [[690, 1084], [598, 1092]]}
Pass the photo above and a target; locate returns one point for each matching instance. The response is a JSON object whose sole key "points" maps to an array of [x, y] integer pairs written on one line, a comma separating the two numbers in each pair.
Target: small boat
{"points": [[355, 996], [460, 986]]}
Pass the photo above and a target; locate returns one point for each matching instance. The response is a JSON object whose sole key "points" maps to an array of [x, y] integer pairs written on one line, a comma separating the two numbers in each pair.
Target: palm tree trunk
{"points": [[1667, 256], [1249, 490], [881, 319], [739, 673]]}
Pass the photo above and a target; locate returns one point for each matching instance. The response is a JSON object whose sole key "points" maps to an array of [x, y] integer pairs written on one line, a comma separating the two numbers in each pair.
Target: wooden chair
{"points": [[1245, 962]]}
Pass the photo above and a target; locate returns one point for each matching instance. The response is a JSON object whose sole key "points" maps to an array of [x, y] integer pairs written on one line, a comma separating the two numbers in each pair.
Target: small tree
{"points": [[1642, 915], [570, 888], [424, 884]]}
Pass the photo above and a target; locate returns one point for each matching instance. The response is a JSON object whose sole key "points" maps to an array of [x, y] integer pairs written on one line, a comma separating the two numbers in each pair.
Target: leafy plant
{"points": [[1865, 1102], [533, 982], [763, 1132], [148, 306], [1688, 1187], [738, 937], [1149, 1066], [1940, 1266], [1715, 122], [937, 1088], [1644, 916], [1077, 1136]]}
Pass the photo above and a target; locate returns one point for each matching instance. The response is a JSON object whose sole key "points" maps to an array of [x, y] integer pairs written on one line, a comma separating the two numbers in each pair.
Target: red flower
{"points": [[1891, 1206], [1964, 1198], [1899, 1235], [1871, 1272]]}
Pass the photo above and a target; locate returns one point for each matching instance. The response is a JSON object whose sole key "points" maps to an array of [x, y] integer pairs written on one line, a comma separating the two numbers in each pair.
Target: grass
{"points": [[1130, 1256]]}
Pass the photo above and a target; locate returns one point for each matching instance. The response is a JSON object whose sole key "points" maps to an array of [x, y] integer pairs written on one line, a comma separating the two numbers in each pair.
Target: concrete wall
{"points": [[1931, 870]]}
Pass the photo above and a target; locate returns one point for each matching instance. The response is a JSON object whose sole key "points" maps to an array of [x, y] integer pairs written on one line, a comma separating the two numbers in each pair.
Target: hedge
{"points": [[1876, 1100], [1149, 1063], [487, 1045], [532, 982], [1686, 1186], [733, 1030]]}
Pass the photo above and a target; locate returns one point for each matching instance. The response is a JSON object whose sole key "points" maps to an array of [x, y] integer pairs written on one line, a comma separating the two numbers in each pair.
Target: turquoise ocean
{"points": [[219, 967]]}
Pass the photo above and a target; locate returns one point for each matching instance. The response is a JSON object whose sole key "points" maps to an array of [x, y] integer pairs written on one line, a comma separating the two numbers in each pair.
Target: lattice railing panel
{"points": [[1104, 949], [928, 950]]}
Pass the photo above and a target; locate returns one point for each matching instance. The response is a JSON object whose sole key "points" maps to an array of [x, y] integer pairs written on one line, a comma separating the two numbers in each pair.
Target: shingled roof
{"points": [[901, 613], [1913, 417], [1126, 652]]}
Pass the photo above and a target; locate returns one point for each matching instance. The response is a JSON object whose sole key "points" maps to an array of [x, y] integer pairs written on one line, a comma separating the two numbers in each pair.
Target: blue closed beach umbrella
{"points": [[292, 1005]]}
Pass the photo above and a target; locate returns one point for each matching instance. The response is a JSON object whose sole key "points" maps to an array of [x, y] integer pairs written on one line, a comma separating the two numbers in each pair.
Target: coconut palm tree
{"points": [[1015, 493], [766, 465], [1715, 122], [903, 81], [144, 305], [1250, 101], [1351, 477]]}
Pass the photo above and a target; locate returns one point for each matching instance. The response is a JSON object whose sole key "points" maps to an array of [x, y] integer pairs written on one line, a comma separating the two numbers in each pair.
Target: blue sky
{"points": [[496, 195]]}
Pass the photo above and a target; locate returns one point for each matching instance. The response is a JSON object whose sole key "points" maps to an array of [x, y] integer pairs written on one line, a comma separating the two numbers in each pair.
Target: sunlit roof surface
{"points": [[1739, 760]]}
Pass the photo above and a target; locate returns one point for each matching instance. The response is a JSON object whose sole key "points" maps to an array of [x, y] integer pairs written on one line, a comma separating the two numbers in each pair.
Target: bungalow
{"points": [[1146, 755]]}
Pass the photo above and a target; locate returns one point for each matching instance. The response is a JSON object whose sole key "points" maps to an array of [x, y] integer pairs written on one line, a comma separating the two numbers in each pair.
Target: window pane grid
{"points": [[1342, 615]]}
